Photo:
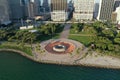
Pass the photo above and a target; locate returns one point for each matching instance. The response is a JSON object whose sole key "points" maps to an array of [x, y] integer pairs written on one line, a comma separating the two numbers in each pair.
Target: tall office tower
{"points": [[96, 9], [116, 4], [70, 9], [59, 10], [16, 8], [105, 9], [83, 9], [70, 5], [30, 11], [37, 7], [4, 12], [45, 6]]}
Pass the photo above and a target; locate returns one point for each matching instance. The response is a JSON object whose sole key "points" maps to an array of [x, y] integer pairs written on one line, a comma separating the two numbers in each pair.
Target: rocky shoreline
{"points": [[89, 61]]}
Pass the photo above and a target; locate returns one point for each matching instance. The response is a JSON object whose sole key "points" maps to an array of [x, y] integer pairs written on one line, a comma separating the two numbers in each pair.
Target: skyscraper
{"points": [[83, 9], [58, 5], [30, 9], [59, 10], [4, 12], [105, 9], [37, 6], [118, 14], [45, 5], [96, 9], [16, 8]]}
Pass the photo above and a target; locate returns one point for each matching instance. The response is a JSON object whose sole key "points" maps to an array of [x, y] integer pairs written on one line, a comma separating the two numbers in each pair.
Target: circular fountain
{"points": [[60, 47]]}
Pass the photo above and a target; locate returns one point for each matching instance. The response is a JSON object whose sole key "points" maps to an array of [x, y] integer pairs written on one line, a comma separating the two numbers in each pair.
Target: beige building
{"points": [[59, 10], [30, 10], [83, 9], [114, 17]]}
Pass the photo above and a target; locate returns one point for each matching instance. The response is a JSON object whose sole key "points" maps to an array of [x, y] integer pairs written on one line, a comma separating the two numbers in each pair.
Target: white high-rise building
{"points": [[4, 12], [105, 9], [83, 9], [118, 14]]}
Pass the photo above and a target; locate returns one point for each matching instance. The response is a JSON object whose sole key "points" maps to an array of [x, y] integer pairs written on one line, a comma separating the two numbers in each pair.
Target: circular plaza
{"points": [[60, 46]]}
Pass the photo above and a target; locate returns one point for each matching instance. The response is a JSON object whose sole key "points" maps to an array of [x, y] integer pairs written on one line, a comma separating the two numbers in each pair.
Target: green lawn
{"points": [[24, 49], [86, 40]]}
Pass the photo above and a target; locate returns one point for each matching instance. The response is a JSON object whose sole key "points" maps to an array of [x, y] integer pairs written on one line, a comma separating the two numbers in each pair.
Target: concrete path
{"points": [[65, 32]]}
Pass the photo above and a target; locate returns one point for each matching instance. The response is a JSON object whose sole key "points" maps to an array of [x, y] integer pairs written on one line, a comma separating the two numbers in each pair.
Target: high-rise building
{"points": [[59, 10], [4, 12], [96, 9], [58, 5], [116, 4], [105, 9], [37, 6], [70, 9], [16, 9], [83, 9], [30, 12], [70, 6], [32, 8], [118, 13], [45, 6]]}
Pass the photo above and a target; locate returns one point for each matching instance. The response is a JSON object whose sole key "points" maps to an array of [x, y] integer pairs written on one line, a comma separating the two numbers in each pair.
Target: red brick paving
{"points": [[70, 47]]}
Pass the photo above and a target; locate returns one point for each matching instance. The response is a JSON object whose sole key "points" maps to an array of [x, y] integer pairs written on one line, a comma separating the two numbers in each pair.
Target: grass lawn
{"points": [[10, 45], [86, 40]]}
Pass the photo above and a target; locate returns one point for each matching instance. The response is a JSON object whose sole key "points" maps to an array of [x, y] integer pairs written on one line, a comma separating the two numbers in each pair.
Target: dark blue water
{"points": [[15, 67]]}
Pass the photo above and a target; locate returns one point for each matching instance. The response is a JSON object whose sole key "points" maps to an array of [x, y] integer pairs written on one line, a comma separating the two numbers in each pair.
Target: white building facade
{"points": [[118, 14], [59, 16], [83, 9], [59, 10]]}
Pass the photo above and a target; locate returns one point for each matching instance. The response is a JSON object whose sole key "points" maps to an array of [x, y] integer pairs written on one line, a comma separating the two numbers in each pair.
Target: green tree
{"points": [[3, 34], [108, 33], [117, 40], [111, 47], [118, 35]]}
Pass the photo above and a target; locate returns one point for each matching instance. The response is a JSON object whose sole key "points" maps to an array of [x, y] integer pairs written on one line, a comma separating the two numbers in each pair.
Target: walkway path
{"points": [[65, 32], [83, 34]]}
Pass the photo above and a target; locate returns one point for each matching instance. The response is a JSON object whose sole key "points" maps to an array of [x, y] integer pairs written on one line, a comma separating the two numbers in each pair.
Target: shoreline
{"points": [[80, 63]]}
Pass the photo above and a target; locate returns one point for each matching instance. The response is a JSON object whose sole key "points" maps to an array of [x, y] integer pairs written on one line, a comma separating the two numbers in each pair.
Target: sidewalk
{"points": [[65, 32]]}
